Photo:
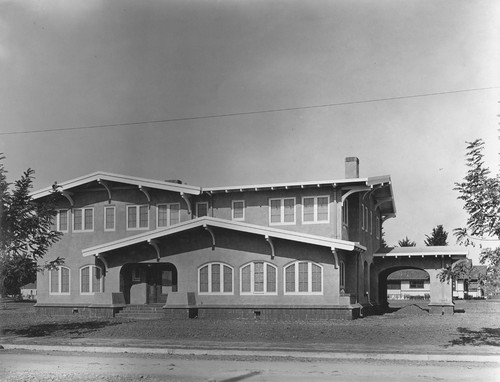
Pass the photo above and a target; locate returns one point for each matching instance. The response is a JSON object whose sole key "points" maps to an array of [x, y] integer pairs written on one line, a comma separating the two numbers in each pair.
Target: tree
{"points": [[438, 237], [25, 231], [406, 242], [481, 195]]}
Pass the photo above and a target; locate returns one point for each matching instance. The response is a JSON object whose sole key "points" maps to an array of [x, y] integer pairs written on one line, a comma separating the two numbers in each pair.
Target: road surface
{"points": [[17, 365]]}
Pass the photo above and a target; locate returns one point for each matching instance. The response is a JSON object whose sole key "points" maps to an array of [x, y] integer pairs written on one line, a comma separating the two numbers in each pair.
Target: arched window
{"points": [[342, 275], [59, 280], [258, 277], [304, 277], [215, 278], [91, 279]]}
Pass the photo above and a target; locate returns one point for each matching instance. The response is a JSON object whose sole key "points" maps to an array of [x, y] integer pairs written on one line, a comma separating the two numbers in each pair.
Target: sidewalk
{"points": [[254, 349]]}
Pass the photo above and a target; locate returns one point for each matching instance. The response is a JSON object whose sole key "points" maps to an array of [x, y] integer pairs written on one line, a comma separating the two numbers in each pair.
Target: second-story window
{"points": [[377, 227], [201, 209], [109, 218], [315, 209], [168, 214], [345, 213], [137, 217], [83, 219], [238, 210], [63, 220], [282, 211]]}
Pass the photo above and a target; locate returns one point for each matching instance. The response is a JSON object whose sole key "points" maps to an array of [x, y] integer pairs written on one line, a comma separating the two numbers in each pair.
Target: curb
{"points": [[491, 358]]}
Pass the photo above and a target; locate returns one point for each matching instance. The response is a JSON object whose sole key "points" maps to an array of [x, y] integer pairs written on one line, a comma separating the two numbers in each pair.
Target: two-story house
{"points": [[301, 249]]}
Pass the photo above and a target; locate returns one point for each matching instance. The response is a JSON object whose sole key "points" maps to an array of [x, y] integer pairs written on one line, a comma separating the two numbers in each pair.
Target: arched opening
{"points": [[400, 286], [148, 283]]}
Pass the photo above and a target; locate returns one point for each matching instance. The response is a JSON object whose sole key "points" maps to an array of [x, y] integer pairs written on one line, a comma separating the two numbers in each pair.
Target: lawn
{"points": [[409, 325]]}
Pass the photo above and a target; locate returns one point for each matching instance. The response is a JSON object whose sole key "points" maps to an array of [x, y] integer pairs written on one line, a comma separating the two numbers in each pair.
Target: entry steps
{"points": [[142, 312]]}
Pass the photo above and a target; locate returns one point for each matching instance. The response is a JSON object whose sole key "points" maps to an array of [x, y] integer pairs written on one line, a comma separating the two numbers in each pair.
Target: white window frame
{"points": [[106, 220], [345, 213], [315, 207], [233, 209], [221, 289], [91, 278], [198, 204], [309, 279], [282, 211], [252, 279], [83, 219], [68, 220], [59, 281], [137, 217], [169, 217]]}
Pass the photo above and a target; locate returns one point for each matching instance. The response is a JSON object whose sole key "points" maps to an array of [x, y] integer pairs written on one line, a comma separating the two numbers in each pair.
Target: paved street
{"points": [[57, 366]]}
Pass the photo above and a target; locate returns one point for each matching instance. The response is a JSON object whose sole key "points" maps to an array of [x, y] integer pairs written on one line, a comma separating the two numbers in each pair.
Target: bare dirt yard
{"points": [[474, 324]]}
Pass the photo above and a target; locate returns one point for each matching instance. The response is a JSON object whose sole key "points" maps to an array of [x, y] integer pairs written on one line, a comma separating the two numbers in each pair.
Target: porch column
{"points": [[441, 294]]}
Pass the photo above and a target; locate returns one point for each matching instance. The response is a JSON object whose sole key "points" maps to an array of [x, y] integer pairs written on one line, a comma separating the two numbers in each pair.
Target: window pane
{"points": [[289, 210], [202, 210], [63, 220], [89, 219], [290, 278], [96, 280], [85, 276], [77, 219], [303, 279], [275, 211], [238, 210], [174, 214], [204, 279], [143, 216], [228, 279], [132, 217], [54, 281], [323, 208], [215, 277], [258, 277], [162, 215], [245, 279], [271, 279], [308, 209], [64, 280], [316, 278], [110, 218]]}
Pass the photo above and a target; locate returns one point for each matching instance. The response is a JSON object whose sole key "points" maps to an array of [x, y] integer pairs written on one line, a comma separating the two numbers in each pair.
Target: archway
{"points": [[401, 284], [148, 283]]}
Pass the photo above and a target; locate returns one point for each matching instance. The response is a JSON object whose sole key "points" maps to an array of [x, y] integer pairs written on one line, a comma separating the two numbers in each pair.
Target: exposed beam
{"points": [[145, 191], [67, 195], [352, 191], [107, 187], [336, 258], [188, 202]]}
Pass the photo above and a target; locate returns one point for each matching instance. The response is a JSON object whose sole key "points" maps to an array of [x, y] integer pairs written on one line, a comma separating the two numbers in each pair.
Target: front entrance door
{"points": [[161, 280]]}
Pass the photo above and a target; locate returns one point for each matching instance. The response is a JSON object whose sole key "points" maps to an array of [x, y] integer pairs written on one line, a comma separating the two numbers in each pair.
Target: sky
{"points": [[252, 92]]}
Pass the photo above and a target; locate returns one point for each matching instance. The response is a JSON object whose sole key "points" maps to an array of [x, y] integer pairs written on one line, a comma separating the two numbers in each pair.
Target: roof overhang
{"points": [[422, 252], [102, 177], [267, 232]]}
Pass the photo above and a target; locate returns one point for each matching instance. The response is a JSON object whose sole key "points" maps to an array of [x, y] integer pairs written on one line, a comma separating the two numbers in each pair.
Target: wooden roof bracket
{"points": [[271, 244], [145, 191], [211, 232], [188, 202], [335, 257], [107, 187], [155, 244]]}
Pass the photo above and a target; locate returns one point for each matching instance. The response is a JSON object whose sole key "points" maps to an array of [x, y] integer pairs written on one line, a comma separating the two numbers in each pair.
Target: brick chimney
{"points": [[351, 167]]}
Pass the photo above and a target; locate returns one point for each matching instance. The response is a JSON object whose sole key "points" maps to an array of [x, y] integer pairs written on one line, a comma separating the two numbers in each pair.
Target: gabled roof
{"points": [[421, 251], [380, 186], [97, 177], [226, 224]]}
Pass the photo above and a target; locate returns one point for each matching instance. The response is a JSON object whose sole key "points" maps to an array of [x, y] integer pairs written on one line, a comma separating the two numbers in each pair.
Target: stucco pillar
{"points": [[441, 294]]}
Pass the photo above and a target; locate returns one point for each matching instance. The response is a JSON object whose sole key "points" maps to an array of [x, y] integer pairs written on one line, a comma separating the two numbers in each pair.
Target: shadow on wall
{"points": [[482, 337]]}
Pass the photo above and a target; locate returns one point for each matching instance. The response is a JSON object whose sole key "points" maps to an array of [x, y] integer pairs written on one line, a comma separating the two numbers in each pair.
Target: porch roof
{"points": [[100, 176], [422, 251], [267, 232]]}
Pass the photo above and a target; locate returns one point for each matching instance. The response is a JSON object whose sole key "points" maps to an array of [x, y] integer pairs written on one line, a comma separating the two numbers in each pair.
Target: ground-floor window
{"points": [[59, 280], [303, 277], [215, 278], [258, 277], [91, 280]]}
